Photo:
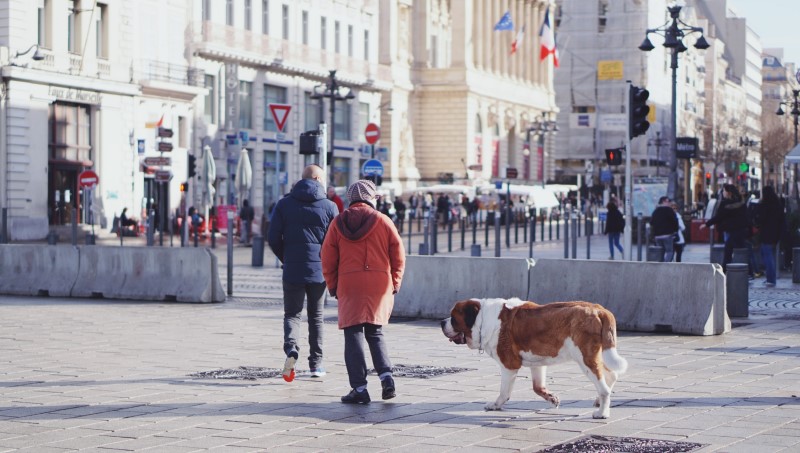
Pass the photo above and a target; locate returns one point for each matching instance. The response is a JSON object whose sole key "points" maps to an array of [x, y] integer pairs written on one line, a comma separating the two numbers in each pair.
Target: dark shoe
{"points": [[356, 397], [388, 388]]}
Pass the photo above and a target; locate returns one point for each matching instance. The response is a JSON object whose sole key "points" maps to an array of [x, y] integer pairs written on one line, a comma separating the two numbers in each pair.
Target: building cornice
{"points": [[23, 74]]}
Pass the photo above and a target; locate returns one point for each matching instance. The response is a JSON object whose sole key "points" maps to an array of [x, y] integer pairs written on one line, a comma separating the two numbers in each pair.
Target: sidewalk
{"points": [[96, 375]]}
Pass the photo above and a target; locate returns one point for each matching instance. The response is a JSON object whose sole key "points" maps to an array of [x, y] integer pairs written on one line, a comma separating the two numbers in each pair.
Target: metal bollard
{"points": [[566, 238], [497, 236], [796, 265], [508, 227], [542, 228], [486, 230], [475, 250], [575, 233], [450, 237], [424, 248], [410, 227], [258, 251], [588, 246], [230, 253], [737, 290], [150, 234], [463, 228], [474, 232], [639, 237], [434, 237], [533, 237], [655, 253]]}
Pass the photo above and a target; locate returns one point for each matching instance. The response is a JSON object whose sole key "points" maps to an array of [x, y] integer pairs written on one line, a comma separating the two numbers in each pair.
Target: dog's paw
{"points": [[554, 400], [601, 414], [493, 406], [597, 402]]}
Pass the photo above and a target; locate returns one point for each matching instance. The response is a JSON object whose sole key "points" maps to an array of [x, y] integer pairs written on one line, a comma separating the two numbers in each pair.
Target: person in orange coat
{"points": [[363, 260]]}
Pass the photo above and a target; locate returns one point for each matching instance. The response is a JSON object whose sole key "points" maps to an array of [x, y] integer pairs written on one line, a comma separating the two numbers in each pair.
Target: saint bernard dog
{"points": [[517, 333]]}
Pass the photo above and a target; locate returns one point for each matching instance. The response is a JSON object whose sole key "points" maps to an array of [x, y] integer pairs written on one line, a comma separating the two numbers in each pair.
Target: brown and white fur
{"points": [[517, 333]]}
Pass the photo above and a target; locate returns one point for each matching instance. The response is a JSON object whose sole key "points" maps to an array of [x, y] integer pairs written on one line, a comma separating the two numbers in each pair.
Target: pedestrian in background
{"points": [[665, 226], [246, 216], [731, 218], [615, 225], [297, 230], [335, 198], [363, 261], [680, 240], [770, 221]]}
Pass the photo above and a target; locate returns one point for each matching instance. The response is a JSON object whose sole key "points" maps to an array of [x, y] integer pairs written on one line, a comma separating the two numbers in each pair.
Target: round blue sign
{"points": [[372, 167]]}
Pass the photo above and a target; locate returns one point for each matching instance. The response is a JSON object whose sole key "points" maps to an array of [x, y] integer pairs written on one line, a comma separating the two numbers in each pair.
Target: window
{"points": [[272, 95], [70, 132], [305, 27], [41, 16], [72, 27], [323, 33], [101, 32], [285, 18], [312, 112], [209, 116], [603, 11], [229, 13], [206, 9], [248, 11], [245, 105], [363, 120], [341, 121], [265, 16], [366, 44], [349, 40], [337, 36]]}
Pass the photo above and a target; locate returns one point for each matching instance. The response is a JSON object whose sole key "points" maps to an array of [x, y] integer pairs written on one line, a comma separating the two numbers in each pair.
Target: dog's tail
{"points": [[613, 361]]}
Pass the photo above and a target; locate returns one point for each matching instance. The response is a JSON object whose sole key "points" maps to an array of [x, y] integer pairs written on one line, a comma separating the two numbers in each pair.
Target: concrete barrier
{"points": [[644, 297], [37, 270], [432, 284], [170, 274]]}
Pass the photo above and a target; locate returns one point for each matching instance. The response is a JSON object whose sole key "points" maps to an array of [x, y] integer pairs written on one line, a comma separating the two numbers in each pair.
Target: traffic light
{"points": [[614, 156], [744, 167], [184, 187], [708, 178], [638, 110], [308, 142], [192, 165]]}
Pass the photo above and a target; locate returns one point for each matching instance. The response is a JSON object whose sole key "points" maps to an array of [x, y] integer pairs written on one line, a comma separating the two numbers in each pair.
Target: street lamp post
{"points": [[795, 113], [674, 31], [333, 91], [540, 127], [658, 143]]}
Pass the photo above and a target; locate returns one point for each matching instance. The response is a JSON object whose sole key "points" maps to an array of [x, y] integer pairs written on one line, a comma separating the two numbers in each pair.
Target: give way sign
{"points": [[280, 113]]}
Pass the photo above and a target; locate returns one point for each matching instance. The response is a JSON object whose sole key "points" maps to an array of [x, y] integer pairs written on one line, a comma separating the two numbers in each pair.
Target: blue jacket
{"points": [[297, 229]]}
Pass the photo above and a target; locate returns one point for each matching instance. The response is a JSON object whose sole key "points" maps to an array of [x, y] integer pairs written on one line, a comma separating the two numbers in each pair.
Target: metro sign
{"points": [[280, 113]]}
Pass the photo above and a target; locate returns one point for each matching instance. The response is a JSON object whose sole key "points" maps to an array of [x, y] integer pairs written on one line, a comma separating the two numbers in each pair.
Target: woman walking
{"points": [[615, 225], [731, 217], [363, 262]]}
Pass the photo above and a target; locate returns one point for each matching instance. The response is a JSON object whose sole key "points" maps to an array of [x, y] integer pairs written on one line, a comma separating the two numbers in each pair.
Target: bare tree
{"points": [[776, 142]]}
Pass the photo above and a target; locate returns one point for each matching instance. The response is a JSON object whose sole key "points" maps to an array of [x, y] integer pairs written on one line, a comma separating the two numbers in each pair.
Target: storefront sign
{"points": [[74, 95]]}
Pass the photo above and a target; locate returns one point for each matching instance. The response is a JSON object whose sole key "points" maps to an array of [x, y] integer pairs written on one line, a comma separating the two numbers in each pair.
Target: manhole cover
{"points": [[610, 444], [423, 371], [248, 373]]}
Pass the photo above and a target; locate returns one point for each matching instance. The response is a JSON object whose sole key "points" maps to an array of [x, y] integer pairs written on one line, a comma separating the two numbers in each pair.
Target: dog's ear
{"points": [[471, 309]]}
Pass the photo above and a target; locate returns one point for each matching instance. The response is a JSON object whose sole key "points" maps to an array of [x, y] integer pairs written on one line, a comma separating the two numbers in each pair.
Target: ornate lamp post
{"points": [[795, 113], [540, 127], [334, 92], [674, 31]]}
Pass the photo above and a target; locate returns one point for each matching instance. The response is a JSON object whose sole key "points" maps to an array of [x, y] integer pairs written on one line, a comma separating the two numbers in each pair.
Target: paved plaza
{"points": [[100, 375]]}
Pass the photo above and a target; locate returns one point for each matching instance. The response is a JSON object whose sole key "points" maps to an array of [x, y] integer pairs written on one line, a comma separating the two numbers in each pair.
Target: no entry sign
{"points": [[372, 133], [88, 179]]}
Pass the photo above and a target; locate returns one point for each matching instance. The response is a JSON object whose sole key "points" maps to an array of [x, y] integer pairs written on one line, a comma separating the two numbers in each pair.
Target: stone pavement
{"points": [[98, 375]]}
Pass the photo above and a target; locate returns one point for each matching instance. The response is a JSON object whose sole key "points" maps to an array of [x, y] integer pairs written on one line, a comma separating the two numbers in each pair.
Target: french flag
{"points": [[515, 46], [548, 40]]}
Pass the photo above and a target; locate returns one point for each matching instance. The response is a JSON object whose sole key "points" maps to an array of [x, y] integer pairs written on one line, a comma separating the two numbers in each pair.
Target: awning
{"points": [[794, 156]]}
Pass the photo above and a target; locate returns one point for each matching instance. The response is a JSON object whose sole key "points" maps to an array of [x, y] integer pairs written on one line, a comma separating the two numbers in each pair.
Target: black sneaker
{"points": [[356, 397], [388, 388]]}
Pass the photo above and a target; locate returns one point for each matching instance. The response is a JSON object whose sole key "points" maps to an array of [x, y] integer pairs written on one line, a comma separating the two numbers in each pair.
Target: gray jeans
{"points": [[293, 297], [354, 352], [668, 242]]}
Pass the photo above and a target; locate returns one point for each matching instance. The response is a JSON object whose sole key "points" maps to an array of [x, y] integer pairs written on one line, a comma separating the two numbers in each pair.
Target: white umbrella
{"points": [[244, 176], [209, 176]]}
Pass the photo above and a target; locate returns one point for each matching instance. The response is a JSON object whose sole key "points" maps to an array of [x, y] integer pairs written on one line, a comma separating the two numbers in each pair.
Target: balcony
{"points": [[218, 41], [167, 72]]}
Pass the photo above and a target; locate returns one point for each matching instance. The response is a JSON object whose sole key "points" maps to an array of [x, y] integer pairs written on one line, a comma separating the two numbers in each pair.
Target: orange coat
{"points": [[363, 260]]}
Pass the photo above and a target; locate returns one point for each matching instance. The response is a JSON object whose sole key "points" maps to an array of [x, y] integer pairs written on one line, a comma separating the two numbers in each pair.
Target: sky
{"points": [[775, 21]]}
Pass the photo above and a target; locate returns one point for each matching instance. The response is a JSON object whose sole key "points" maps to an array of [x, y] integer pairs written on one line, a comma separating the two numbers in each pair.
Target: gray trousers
{"points": [[668, 243], [293, 297], [354, 352]]}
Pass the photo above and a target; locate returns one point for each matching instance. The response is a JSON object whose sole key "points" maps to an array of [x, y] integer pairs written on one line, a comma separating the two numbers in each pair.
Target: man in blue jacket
{"points": [[297, 229]]}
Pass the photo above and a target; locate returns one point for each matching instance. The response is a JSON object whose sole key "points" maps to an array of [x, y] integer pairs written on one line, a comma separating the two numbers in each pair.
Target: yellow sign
{"points": [[610, 70], [651, 116]]}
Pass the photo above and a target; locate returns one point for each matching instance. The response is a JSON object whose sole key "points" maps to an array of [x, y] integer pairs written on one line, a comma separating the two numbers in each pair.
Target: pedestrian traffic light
{"points": [[184, 187], [614, 156], [637, 111], [309, 142], [192, 165], [708, 178], [744, 167]]}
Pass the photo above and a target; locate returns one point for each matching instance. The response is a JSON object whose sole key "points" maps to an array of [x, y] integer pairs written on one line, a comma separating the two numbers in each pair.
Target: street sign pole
{"points": [[280, 113], [628, 239]]}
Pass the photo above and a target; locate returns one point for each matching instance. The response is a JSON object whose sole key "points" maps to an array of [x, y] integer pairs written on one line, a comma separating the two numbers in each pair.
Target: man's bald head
{"points": [[314, 171]]}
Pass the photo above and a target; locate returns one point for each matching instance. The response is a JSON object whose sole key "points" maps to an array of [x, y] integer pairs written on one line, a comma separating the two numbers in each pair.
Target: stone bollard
{"points": [[796, 265], [655, 253], [737, 290], [717, 254], [258, 251]]}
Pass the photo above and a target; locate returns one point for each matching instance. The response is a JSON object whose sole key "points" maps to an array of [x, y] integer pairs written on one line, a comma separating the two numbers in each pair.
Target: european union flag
{"points": [[505, 22]]}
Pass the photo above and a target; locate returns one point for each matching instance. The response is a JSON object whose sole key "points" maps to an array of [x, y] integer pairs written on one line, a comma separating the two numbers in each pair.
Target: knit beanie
{"points": [[362, 190]]}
